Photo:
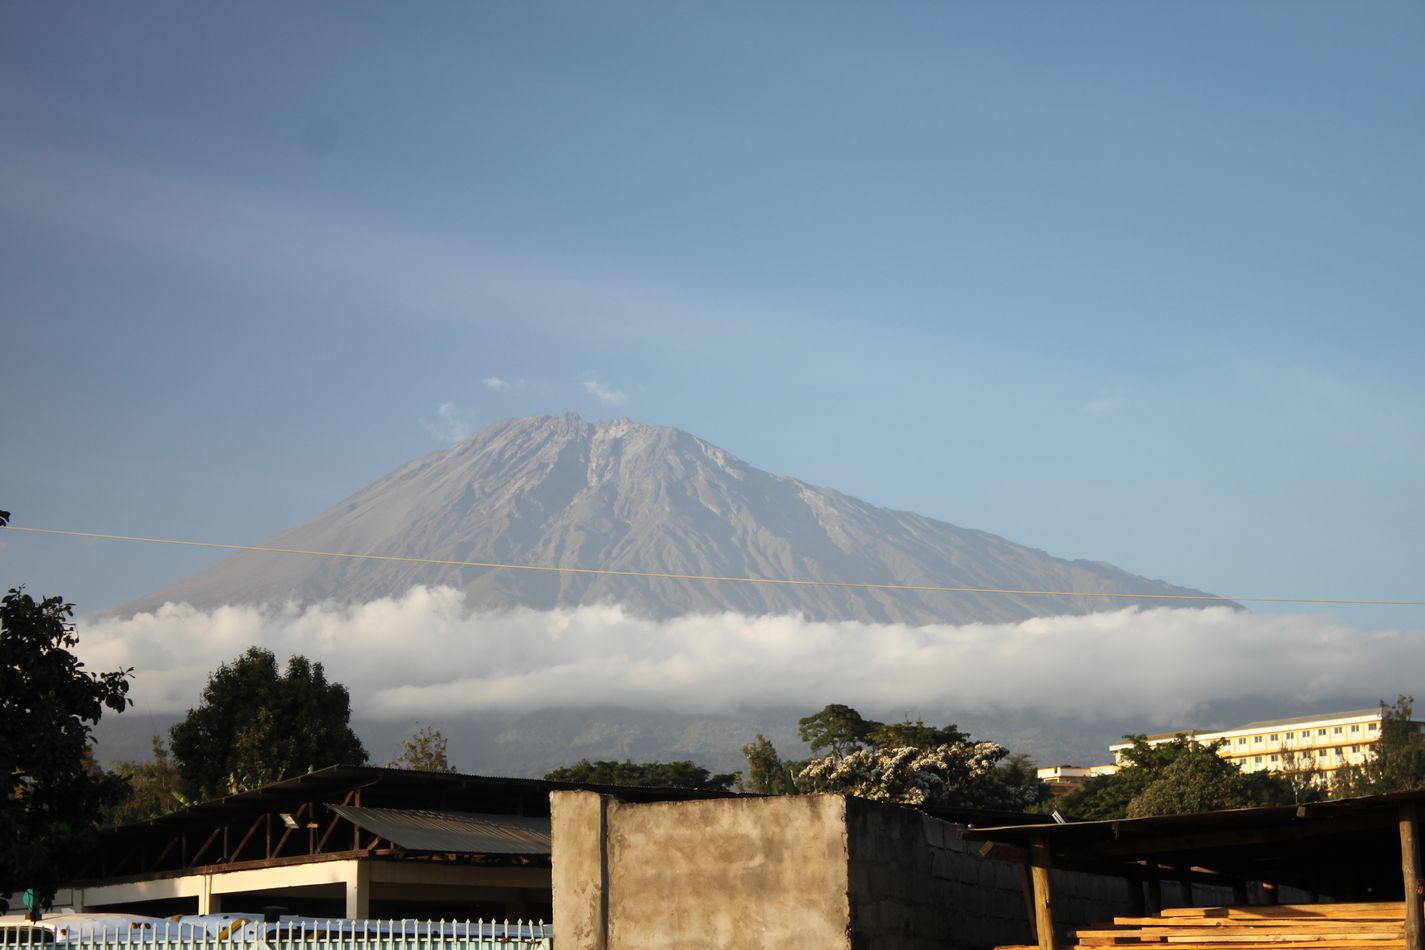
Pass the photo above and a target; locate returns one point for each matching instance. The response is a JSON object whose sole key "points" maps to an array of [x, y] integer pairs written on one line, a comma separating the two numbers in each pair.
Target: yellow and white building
{"points": [[1323, 742], [1062, 779]]}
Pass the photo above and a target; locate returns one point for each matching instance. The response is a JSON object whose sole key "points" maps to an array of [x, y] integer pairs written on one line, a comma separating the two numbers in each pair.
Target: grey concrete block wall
{"points": [[817, 872], [916, 884]]}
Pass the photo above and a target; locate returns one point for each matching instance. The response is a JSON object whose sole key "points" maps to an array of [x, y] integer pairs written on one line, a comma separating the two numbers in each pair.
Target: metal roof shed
{"points": [[1351, 849]]}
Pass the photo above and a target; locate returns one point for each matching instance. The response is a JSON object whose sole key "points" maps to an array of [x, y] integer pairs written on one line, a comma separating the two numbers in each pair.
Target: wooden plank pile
{"points": [[1377, 926], [1268, 927]]}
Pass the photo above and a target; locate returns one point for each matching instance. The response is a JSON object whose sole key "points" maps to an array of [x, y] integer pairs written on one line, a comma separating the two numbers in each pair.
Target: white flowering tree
{"points": [[960, 773]]}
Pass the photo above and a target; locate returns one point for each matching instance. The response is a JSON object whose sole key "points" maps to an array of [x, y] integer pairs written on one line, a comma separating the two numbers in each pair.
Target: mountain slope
{"points": [[559, 491]]}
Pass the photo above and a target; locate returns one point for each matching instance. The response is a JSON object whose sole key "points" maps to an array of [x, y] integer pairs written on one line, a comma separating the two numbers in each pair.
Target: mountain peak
{"points": [[620, 495]]}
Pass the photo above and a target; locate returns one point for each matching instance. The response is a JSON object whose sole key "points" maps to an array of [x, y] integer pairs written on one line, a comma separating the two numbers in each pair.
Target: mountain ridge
{"points": [[561, 492]]}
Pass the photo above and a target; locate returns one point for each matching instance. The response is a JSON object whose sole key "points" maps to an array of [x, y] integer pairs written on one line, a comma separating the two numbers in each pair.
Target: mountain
{"points": [[563, 492]]}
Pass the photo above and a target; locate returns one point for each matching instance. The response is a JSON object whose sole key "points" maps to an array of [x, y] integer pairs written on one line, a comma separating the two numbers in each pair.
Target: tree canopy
{"points": [[256, 725], [424, 751], [766, 773], [153, 787], [1397, 762], [907, 762], [683, 774], [54, 796], [1174, 778], [837, 729]]}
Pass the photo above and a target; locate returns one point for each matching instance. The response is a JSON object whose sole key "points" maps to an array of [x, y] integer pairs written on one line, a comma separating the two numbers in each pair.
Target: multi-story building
{"points": [[1321, 742], [1063, 779]]}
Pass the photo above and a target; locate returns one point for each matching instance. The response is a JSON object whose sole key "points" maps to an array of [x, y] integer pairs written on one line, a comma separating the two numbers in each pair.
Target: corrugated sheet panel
{"points": [[446, 831]]}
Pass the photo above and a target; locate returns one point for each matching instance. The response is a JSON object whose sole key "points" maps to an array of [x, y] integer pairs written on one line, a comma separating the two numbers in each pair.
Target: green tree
{"points": [[1014, 785], [766, 773], [1304, 776], [53, 796], [1397, 759], [683, 774], [424, 751], [1173, 778], [836, 729], [915, 735], [153, 787], [256, 725]]}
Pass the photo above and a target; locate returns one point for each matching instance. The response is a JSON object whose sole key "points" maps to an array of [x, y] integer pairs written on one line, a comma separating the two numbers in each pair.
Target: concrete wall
{"points": [[748, 872], [914, 885], [812, 871]]}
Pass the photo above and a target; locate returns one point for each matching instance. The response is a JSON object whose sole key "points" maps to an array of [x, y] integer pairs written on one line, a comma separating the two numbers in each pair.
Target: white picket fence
{"points": [[235, 932]]}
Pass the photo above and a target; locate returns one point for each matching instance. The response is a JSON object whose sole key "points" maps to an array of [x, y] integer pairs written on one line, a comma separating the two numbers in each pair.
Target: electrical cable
{"points": [[715, 578]]}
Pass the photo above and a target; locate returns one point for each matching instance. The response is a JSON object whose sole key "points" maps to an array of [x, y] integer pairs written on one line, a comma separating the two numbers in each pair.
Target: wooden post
{"points": [[1026, 884], [1041, 868], [1185, 882], [1410, 872]]}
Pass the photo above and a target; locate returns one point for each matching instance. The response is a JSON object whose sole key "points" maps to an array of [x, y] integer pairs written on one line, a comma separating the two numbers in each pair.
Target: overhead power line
{"points": [[716, 578]]}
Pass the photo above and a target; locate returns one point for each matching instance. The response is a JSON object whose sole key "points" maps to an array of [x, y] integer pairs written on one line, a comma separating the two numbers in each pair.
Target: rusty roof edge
{"points": [[1122, 827]]}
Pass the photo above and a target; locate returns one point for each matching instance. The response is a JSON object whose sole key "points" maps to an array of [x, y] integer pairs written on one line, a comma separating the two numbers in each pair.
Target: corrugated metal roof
{"points": [[447, 831], [1373, 712], [1200, 734]]}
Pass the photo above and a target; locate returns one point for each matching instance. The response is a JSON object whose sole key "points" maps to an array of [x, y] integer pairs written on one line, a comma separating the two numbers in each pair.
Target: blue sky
{"points": [[1138, 283]]}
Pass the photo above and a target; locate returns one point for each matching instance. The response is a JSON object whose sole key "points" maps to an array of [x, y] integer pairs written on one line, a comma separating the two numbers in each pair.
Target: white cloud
{"points": [[448, 425], [1104, 405], [614, 397], [426, 655], [496, 384], [357, 262]]}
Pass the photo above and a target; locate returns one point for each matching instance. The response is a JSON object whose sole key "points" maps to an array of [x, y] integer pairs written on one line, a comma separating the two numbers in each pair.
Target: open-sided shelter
{"points": [[1350, 850], [343, 841]]}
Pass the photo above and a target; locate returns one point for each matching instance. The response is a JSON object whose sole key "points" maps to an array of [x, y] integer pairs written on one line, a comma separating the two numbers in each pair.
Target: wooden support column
{"points": [[1041, 871], [1026, 886], [1410, 873], [1185, 882]]}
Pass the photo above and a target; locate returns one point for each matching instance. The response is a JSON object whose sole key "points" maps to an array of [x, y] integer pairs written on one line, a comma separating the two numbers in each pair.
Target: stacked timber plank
{"points": [[1268, 927], [1378, 926]]}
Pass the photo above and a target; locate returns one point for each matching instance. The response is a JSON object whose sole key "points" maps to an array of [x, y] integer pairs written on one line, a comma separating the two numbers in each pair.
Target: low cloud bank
{"points": [[425, 655]]}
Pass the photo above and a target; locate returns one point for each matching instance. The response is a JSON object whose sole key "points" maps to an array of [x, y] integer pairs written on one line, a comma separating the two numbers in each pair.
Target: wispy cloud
{"points": [[448, 425], [374, 266], [495, 384], [1105, 404], [426, 654], [605, 393]]}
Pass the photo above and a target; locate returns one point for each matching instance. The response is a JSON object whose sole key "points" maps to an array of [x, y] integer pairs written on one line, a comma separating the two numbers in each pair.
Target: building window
{"points": [[1355, 748], [1356, 727], [1275, 737], [1257, 759], [1337, 730], [1291, 735], [1242, 741], [1257, 739], [1274, 758], [1321, 732], [1373, 726]]}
